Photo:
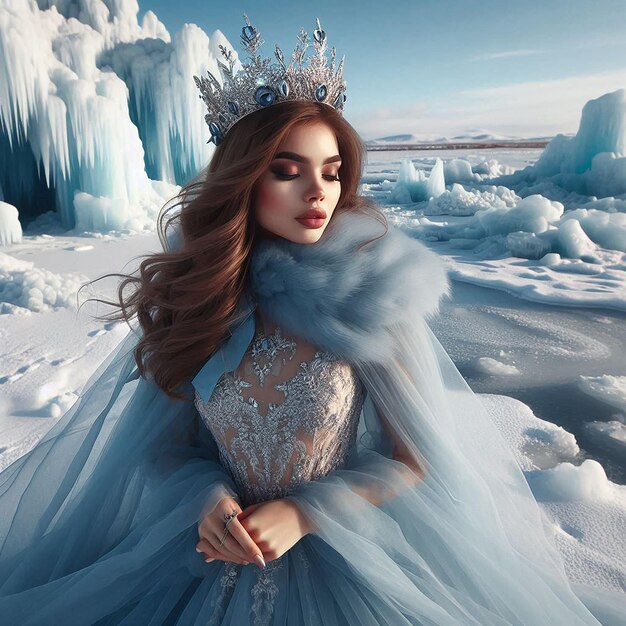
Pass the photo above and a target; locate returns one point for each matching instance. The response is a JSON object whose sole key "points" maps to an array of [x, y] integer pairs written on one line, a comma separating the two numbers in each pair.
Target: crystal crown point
{"points": [[260, 82]]}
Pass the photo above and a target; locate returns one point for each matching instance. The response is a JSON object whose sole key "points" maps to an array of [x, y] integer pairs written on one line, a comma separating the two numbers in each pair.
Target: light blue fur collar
{"points": [[343, 300]]}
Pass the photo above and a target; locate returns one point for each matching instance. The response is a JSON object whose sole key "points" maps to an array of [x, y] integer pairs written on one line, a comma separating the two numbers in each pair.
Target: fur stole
{"points": [[345, 299]]}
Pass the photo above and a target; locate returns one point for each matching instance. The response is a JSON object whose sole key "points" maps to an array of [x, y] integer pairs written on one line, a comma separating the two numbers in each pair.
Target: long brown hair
{"points": [[186, 298]]}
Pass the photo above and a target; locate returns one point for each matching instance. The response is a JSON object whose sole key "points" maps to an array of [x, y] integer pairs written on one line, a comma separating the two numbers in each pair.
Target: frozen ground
{"points": [[566, 364], [561, 248]]}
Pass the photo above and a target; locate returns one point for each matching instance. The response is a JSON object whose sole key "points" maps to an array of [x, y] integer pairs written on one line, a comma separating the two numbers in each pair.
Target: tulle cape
{"points": [[99, 521]]}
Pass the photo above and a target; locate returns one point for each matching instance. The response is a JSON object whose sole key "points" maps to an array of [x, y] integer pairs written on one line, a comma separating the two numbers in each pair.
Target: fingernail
{"points": [[246, 562], [259, 560], [208, 560], [198, 550]]}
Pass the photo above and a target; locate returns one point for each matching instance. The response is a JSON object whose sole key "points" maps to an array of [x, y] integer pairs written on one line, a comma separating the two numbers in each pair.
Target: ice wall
{"points": [[95, 107], [592, 163]]}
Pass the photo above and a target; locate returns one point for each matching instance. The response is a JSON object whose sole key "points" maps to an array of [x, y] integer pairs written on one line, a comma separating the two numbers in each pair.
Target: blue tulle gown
{"points": [[328, 390]]}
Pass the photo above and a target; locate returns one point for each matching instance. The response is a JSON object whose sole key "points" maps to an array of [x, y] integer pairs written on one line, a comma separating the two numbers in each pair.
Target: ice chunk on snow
{"points": [[491, 168], [493, 367], [552, 258], [610, 389], [533, 214], [414, 186], [574, 243], [436, 183], [533, 228], [459, 171], [526, 245], [602, 130], [608, 230], [459, 201], [10, 227], [566, 482], [611, 433]]}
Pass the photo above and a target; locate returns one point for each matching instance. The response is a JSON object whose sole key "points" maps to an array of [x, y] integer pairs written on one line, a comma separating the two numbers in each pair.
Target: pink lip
{"points": [[311, 222], [313, 214]]}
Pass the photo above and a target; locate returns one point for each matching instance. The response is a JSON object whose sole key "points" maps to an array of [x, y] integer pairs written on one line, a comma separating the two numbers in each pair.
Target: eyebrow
{"points": [[292, 156]]}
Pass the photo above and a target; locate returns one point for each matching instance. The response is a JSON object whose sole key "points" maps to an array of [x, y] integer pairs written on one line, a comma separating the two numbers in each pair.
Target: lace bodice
{"points": [[288, 414]]}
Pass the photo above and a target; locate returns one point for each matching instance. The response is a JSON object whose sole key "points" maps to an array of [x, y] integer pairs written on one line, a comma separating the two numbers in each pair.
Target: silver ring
{"points": [[229, 517]]}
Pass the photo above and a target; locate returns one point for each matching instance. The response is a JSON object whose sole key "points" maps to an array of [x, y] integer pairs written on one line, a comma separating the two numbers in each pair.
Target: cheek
{"points": [[271, 194]]}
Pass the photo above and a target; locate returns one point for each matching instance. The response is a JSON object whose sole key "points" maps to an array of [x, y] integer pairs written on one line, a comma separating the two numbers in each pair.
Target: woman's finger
{"points": [[242, 537], [248, 510], [225, 552], [213, 532], [237, 541], [210, 553]]}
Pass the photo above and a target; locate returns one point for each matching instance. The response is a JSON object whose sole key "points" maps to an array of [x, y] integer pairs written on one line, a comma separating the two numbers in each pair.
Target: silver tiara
{"points": [[261, 83]]}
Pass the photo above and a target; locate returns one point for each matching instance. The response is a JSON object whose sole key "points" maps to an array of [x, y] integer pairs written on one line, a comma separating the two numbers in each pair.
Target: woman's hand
{"points": [[238, 546], [275, 526]]}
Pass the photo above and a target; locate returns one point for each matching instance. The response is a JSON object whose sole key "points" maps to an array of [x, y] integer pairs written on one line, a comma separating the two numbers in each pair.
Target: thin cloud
{"points": [[529, 109], [506, 54]]}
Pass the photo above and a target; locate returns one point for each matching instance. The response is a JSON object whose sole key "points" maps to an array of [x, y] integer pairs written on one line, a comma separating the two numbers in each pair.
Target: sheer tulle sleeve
{"points": [[110, 494], [432, 509]]}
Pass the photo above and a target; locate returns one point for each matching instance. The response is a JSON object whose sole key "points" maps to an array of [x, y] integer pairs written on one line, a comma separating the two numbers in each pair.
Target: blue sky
{"points": [[440, 68]]}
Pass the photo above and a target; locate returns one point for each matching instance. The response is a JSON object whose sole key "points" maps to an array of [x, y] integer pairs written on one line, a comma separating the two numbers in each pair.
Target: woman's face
{"points": [[295, 198]]}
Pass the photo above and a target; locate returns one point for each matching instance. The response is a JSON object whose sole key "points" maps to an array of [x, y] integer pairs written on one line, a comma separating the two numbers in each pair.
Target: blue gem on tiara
{"points": [[248, 33], [284, 88], [233, 107], [339, 100], [319, 35], [216, 133], [264, 96], [321, 93]]}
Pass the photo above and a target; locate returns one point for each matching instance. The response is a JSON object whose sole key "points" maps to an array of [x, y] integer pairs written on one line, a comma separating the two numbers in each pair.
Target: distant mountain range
{"points": [[473, 136]]}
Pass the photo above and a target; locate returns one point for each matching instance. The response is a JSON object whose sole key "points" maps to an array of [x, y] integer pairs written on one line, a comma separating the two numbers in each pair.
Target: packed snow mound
{"points": [[93, 103], [534, 228], [490, 168], [34, 289], [567, 482], [591, 163], [10, 227], [461, 201]]}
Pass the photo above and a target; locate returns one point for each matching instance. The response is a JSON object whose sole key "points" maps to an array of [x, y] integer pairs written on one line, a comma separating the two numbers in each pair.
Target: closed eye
{"points": [[285, 176]]}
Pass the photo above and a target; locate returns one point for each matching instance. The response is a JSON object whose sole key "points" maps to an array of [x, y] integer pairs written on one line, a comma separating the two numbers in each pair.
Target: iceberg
{"points": [[591, 163]]}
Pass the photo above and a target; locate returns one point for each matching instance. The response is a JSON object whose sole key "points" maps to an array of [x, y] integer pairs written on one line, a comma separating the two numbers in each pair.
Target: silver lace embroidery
{"points": [[227, 585], [268, 347], [305, 436], [265, 591]]}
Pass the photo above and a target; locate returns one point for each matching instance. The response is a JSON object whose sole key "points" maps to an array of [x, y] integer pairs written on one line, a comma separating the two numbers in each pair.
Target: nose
{"points": [[314, 191]]}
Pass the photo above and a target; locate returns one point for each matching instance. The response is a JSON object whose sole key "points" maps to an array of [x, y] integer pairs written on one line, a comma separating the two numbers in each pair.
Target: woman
{"points": [[281, 440]]}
